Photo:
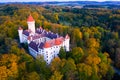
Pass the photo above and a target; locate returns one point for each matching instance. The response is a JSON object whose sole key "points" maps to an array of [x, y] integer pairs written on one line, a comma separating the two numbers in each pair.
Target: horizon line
{"points": [[56, 1]]}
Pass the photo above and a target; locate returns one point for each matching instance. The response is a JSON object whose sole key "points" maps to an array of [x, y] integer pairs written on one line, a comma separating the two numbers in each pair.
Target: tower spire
{"points": [[30, 18]]}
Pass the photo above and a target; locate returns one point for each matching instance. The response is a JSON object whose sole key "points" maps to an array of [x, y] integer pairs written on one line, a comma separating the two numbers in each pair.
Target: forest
{"points": [[94, 43]]}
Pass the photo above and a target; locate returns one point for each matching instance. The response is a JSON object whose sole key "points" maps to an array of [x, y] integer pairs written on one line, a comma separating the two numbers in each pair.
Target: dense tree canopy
{"points": [[94, 43]]}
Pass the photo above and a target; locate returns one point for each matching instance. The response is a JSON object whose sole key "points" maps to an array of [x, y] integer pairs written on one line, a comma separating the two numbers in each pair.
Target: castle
{"points": [[42, 42]]}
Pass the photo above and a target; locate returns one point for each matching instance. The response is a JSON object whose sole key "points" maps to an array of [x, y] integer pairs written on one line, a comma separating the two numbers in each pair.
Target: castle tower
{"points": [[31, 23], [67, 42], [20, 32]]}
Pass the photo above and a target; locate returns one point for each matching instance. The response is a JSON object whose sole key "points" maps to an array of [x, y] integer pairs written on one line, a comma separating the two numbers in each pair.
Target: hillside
{"points": [[75, 4], [94, 43]]}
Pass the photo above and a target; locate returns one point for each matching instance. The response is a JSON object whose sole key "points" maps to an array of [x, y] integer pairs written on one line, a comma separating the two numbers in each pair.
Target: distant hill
{"points": [[69, 3], [75, 4]]}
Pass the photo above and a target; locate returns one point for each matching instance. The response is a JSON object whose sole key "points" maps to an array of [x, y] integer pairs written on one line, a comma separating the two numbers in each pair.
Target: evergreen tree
{"points": [[62, 53]]}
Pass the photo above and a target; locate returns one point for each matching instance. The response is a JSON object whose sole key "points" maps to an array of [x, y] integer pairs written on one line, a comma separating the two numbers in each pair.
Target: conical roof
{"points": [[30, 18]]}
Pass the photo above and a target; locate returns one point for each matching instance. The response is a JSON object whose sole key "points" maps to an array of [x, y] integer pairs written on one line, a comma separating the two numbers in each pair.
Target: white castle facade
{"points": [[42, 42]]}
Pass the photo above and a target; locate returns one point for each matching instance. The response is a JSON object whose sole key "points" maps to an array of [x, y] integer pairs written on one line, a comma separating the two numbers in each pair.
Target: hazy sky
{"points": [[50, 0]]}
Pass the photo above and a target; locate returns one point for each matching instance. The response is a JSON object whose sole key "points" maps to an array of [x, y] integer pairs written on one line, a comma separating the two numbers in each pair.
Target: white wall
{"points": [[20, 35], [24, 38], [32, 52], [31, 26], [67, 46]]}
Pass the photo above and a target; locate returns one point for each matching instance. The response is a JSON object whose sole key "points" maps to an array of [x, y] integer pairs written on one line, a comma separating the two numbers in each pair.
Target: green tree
{"points": [[31, 76], [56, 76], [55, 64], [68, 68], [77, 54], [84, 71], [62, 53]]}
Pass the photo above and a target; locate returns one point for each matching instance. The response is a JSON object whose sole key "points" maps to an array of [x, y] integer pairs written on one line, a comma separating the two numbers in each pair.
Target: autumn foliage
{"points": [[94, 43]]}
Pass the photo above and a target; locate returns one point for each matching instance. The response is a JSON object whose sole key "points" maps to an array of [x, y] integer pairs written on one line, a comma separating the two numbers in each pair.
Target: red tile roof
{"points": [[30, 19], [47, 45], [58, 41], [53, 42]]}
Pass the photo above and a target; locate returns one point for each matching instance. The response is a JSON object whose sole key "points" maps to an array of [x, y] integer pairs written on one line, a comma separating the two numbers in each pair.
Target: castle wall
{"points": [[33, 52], [31, 26], [24, 38], [48, 53], [20, 35]]}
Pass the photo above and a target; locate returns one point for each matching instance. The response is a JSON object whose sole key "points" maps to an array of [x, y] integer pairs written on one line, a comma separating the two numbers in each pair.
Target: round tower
{"points": [[67, 42], [31, 23], [20, 32]]}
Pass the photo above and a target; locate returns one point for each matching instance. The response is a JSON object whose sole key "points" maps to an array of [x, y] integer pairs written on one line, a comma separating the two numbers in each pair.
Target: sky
{"points": [[51, 0]]}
